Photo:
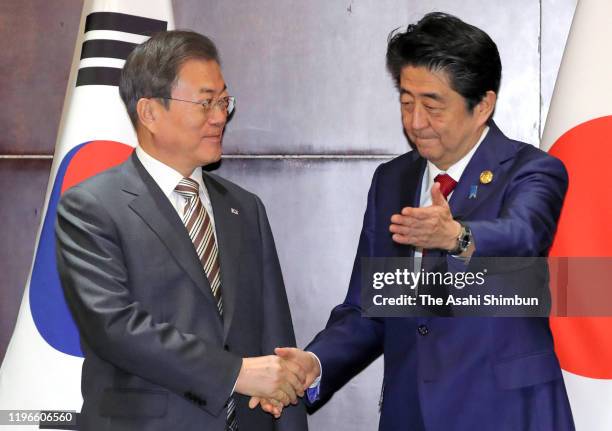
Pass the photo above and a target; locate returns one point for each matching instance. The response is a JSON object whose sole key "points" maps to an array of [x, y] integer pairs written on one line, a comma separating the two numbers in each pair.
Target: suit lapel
{"points": [[413, 195], [411, 187], [493, 150], [410, 179], [157, 212], [228, 226]]}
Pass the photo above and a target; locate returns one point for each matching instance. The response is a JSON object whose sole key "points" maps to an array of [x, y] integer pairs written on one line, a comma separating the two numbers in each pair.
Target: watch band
{"points": [[464, 239]]}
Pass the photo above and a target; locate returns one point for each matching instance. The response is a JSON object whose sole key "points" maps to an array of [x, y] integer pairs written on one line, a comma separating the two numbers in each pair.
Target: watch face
{"points": [[466, 238], [463, 240]]}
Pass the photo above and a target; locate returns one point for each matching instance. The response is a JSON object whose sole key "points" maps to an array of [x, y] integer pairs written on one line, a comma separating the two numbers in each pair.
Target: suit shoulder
{"points": [[399, 162], [528, 153], [105, 180], [232, 188]]}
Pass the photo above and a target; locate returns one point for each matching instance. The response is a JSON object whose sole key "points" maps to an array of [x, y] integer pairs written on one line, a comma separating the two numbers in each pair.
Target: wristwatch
{"points": [[464, 239]]}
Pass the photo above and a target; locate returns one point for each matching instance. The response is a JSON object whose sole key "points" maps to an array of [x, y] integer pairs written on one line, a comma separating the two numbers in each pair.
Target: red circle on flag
{"points": [[584, 344], [93, 158]]}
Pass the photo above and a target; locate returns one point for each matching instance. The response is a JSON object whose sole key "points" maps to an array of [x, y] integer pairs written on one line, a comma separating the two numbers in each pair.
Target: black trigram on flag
{"points": [[124, 27]]}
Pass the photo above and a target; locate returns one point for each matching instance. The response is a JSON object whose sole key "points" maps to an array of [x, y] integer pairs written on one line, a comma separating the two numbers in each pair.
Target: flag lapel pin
{"points": [[486, 177]]}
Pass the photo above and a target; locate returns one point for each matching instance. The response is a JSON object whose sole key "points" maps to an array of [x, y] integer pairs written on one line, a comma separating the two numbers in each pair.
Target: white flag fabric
{"points": [[579, 131], [42, 366]]}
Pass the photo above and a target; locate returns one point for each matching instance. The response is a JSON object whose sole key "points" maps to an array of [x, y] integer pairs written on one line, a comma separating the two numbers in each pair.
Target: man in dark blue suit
{"points": [[467, 191]]}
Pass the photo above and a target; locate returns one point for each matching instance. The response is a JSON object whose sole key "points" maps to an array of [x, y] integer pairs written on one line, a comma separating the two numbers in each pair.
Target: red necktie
{"points": [[447, 184], [435, 260]]}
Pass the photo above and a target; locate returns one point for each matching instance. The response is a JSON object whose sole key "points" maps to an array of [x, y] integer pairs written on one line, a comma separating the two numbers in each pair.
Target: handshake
{"points": [[274, 381]]}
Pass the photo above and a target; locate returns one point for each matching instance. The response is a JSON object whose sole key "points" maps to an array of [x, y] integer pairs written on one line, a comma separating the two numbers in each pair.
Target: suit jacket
{"points": [[158, 356], [470, 373]]}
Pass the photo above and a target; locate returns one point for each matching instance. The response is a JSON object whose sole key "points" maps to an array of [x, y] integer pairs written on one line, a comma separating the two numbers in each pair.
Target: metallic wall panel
{"points": [[36, 44], [556, 21], [23, 185], [310, 76], [315, 208]]}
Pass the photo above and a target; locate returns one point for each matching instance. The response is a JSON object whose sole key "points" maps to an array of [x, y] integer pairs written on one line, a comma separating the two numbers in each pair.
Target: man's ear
{"points": [[486, 106], [147, 113]]}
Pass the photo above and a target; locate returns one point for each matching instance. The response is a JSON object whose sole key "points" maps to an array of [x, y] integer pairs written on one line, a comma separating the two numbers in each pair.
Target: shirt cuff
{"points": [[313, 390]]}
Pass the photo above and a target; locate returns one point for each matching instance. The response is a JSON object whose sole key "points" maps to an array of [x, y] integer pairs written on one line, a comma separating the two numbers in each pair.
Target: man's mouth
{"points": [[212, 137], [424, 138]]}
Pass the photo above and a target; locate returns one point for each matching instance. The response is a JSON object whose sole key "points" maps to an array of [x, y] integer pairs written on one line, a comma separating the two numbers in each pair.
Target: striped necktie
{"points": [[200, 229]]}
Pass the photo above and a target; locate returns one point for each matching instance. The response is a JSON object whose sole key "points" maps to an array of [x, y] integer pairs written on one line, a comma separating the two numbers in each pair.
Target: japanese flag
{"points": [[579, 132]]}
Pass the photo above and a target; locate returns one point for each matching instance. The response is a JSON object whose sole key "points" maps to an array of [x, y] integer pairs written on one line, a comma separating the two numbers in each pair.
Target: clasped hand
{"points": [[274, 381]]}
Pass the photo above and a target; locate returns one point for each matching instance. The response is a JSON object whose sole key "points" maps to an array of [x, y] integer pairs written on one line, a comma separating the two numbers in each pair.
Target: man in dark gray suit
{"points": [[171, 273]]}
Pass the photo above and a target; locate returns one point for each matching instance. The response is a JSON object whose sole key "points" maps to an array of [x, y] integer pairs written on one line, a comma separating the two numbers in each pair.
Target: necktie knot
{"points": [[447, 184], [188, 188]]}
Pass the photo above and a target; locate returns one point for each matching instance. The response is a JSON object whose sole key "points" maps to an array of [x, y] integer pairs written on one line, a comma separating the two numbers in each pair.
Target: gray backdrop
{"points": [[317, 112]]}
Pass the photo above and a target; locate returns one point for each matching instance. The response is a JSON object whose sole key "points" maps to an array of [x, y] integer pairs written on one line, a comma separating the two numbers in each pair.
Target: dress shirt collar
{"points": [[167, 178], [456, 170]]}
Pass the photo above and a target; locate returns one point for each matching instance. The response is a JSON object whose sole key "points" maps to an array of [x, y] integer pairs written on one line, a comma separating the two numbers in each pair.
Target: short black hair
{"points": [[442, 42], [152, 67]]}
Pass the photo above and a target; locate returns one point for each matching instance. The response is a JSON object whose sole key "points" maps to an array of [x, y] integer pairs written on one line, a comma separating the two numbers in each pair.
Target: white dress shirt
{"points": [[431, 171], [168, 178]]}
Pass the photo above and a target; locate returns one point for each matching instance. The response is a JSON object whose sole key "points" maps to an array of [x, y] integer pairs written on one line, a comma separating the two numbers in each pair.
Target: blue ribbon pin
{"points": [[473, 191]]}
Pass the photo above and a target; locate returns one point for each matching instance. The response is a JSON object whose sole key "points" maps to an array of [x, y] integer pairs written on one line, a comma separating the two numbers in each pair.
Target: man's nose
{"points": [[217, 117], [419, 118]]}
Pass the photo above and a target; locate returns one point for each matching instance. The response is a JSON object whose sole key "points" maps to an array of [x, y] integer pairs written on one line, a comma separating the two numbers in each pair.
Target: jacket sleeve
{"points": [[527, 221], [350, 341], [115, 326]]}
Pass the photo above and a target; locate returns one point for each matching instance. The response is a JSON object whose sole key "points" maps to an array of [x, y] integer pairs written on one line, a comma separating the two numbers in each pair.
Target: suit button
{"points": [[423, 330], [226, 347]]}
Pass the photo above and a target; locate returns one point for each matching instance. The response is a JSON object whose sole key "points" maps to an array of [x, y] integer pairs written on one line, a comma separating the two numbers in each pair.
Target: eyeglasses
{"points": [[224, 104]]}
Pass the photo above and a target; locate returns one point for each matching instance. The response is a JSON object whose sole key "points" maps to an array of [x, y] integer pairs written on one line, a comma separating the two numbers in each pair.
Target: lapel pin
{"points": [[486, 177], [234, 211], [473, 191]]}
